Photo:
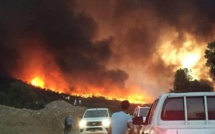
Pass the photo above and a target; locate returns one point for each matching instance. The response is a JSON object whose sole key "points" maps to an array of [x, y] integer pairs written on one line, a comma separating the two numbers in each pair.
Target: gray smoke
{"points": [[96, 41]]}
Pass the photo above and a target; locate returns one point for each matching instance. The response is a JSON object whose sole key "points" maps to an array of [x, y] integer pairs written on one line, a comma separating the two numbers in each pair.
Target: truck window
{"points": [[151, 112], [96, 113], [211, 108], [195, 108], [173, 109], [143, 111]]}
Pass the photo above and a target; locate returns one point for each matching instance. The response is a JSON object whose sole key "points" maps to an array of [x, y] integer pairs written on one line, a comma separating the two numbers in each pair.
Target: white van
{"points": [[181, 113]]}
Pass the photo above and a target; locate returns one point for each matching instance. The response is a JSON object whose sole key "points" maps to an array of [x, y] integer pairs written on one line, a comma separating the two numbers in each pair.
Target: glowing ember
{"points": [[37, 82]]}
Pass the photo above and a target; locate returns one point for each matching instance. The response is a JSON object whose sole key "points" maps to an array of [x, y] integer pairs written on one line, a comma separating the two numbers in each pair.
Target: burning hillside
{"points": [[116, 49]]}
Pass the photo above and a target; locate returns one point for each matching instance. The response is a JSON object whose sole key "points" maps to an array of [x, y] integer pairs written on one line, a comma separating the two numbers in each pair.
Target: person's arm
{"points": [[131, 127], [109, 129]]}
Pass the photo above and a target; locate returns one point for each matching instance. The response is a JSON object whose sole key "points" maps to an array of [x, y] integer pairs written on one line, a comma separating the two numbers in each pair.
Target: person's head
{"points": [[125, 105]]}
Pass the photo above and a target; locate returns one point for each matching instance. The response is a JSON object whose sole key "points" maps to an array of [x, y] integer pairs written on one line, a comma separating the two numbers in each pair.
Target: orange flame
{"points": [[51, 77], [36, 81], [189, 55]]}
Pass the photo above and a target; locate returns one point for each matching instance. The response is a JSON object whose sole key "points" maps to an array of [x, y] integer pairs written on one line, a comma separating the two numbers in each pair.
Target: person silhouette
{"points": [[68, 124]]}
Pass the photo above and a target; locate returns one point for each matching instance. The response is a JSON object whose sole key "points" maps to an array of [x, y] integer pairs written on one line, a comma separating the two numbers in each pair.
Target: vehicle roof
{"points": [[97, 109], [189, 94], [140, 107], [144, 107]]}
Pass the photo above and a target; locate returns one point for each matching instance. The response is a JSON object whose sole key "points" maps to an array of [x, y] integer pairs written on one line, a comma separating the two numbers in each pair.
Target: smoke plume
{"points": [[127, 49]]}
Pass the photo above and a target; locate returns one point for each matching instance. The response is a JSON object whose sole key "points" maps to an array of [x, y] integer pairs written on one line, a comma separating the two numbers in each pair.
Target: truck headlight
{"points": [[106, 123], [82, 123]]}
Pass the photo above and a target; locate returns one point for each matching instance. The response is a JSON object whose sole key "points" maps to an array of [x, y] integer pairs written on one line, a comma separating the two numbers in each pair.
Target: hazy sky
{"points": [[127, 49]]}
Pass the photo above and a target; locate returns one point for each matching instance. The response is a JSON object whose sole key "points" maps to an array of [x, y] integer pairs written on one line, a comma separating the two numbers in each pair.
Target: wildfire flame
{"points": [[190, 60], [134, 55], [52, 79], [134, 96], [189, 55], [37, 82]]}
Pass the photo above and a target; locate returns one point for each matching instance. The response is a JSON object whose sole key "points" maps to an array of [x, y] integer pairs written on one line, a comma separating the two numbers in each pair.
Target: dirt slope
{"points": [[49, 120]]}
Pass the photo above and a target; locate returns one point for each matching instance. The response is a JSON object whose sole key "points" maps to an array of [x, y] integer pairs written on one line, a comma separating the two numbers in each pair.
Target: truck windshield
{"points": [[144, 111], [96, 113]]}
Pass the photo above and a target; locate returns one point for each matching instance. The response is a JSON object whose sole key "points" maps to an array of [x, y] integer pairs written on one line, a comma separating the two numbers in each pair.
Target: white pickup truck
{"points": [[95, 120], [181, 113]]}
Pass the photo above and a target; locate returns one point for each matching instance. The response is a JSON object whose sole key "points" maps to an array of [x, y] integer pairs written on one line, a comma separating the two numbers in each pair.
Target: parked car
{"points": [[139, 116], [95, 120], [181, 113]]}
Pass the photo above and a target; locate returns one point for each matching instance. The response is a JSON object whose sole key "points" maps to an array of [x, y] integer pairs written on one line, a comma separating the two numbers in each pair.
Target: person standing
{"points": [[68, 125], [120, 121], [75, 102], [79, 102]]}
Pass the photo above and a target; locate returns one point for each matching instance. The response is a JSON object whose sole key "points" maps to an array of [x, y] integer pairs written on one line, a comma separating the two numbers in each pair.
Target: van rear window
{"points": [[173, 109], [211, 108], [195, 108]]}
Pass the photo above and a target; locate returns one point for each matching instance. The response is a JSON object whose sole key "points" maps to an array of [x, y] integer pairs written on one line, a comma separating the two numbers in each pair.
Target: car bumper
{"points": [[93, 130]]}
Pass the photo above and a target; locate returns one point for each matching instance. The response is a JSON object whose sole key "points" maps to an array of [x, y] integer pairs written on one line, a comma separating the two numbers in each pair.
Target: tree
{"points": [[182, 79], [3, 98], [185, 83], [210, 57], [197, 86], [21, 95]]}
